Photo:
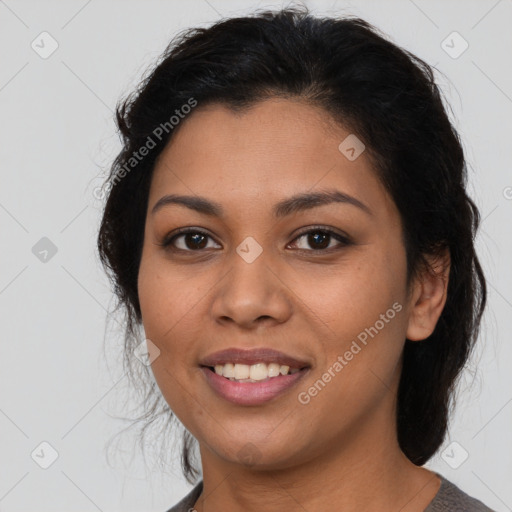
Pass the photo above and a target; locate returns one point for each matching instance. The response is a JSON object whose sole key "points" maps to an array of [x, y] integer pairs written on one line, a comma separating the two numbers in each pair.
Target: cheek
{"points": [[363, 311], [165, 298], [352, 297], [174, 317], [167, 304], [153, 302]]}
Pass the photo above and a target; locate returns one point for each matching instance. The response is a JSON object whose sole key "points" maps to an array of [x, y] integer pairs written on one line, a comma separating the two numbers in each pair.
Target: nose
{"points": [[252, 294]]}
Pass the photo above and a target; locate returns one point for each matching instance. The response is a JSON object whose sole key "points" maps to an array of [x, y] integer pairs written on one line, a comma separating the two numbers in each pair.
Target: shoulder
{"points": [[449, 498], [187, 503], [453, 499]]}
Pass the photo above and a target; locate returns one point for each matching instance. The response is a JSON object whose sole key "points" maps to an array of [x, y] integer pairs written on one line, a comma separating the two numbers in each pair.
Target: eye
{"points": [[194, 240], [189, 239], [319, 239]]}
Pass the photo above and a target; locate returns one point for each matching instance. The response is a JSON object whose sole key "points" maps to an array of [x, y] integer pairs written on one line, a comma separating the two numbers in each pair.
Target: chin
{"points": [[259, 456]]}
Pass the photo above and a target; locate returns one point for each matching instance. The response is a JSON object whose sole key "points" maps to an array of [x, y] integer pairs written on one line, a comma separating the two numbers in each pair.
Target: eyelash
{"points": [[344, 240]]}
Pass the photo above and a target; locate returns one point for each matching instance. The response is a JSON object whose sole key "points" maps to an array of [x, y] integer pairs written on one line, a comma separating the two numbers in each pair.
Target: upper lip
{"points": [[252, 356]]}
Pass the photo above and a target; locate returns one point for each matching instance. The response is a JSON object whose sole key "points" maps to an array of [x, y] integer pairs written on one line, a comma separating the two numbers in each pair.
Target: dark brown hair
{"points": [[387, 97]]}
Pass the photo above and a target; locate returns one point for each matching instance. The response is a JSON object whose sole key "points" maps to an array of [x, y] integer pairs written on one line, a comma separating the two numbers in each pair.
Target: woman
{"points": [[288, 222]]}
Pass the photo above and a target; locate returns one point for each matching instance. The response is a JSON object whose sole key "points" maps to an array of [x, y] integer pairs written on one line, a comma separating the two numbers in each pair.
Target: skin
{"points": [[340, 450]]}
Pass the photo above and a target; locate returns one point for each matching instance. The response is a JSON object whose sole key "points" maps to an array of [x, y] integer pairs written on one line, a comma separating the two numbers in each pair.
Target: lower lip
{"points": [[251, 393]]}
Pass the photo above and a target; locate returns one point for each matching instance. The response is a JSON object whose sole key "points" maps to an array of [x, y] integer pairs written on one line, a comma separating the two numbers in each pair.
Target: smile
{"points": [[250, 391], [253, 373]]}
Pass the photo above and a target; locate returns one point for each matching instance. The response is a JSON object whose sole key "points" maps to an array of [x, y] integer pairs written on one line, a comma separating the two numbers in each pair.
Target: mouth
{"points": [[250, 357], [252, 377], [258, 372]]}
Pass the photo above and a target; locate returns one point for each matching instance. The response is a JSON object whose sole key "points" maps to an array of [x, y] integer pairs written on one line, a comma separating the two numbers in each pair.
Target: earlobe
{"points": [[429, 297]]}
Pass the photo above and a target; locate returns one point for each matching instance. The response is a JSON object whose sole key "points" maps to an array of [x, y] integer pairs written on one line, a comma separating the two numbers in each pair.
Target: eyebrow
{"points": [[294, 204]]}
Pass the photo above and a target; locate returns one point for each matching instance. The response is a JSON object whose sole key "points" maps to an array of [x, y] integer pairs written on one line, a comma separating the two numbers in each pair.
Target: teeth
{"points": [[252, 373], [228, 370], [258, 371], [273, 369]]}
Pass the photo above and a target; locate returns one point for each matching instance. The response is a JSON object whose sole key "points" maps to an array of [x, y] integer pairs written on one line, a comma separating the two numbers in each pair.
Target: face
{"points": [[321, 282]]}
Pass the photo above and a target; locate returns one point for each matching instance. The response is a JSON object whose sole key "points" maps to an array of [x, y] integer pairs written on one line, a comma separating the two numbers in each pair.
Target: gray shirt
{"points": [[449, 498]]}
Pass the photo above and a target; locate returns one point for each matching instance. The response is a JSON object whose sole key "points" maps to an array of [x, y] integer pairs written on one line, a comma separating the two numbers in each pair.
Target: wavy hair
{"points": [[387, 97]]}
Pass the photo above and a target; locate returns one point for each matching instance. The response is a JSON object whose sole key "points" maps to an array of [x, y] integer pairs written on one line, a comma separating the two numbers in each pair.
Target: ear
{"points": [[429, 297]]}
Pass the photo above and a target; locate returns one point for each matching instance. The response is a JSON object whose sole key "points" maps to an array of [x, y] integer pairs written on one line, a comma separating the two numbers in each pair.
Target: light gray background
{"points": [[57, 137]]}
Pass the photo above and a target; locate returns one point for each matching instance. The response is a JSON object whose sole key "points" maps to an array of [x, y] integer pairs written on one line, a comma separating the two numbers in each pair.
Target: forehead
{"points": [[276, 148]]}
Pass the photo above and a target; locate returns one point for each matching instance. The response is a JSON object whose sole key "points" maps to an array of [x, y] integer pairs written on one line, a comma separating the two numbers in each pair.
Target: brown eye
{"points": [[194, 241], [187, 240], [321, 239], [315, 240]]}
